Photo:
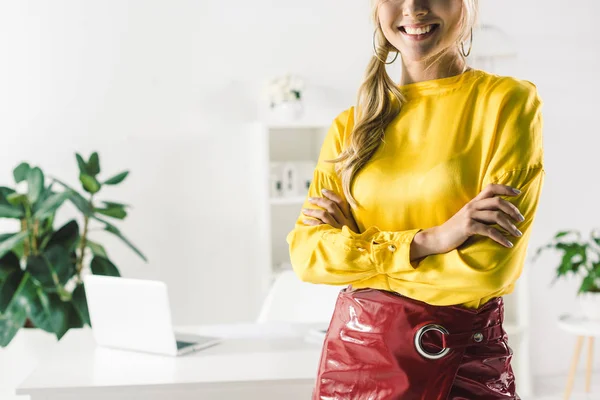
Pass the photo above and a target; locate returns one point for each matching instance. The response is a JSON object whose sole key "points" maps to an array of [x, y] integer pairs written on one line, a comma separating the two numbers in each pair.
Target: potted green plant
{"points": [[579, 257], [41, 266]]}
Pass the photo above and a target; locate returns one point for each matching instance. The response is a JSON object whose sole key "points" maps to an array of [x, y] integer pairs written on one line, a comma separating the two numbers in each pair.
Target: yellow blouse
{"points": [[454, 136]]}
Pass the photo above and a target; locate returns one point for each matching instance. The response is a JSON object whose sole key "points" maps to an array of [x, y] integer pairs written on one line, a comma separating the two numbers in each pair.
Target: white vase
{"points": [[589, 303], [21, 357], [288, 110]]}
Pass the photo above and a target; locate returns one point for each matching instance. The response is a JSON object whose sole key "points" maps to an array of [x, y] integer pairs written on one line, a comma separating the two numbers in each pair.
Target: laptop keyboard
{"points": [[182, 344]]}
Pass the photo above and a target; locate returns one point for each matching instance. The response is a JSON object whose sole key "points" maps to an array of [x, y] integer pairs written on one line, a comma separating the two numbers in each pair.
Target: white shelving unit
{"points": [[297, 141], [301, 141]]}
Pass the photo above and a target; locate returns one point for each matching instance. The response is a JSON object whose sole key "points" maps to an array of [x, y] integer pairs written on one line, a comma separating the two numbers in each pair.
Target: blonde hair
{"points": [[379, 100]]}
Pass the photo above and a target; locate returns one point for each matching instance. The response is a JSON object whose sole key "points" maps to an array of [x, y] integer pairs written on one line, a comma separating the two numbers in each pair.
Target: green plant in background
{"points": [[40, 266], [579, 257]]}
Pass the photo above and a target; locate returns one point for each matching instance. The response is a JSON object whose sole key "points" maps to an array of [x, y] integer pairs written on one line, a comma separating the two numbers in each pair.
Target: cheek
{"points": [[388, 13], [450, 12]]}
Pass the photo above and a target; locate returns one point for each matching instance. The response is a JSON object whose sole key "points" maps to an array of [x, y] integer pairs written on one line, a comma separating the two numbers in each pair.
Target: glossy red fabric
{"points": [[369, 351]]}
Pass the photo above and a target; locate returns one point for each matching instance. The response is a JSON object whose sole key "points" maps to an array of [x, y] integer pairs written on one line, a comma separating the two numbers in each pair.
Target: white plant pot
{"points": [[21, 357], [589, 303], [288, 110]]}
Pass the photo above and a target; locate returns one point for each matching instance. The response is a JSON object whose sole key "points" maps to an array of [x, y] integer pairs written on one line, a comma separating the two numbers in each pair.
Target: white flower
{"points": [[278, 97], [297, 84], [284, 88]]}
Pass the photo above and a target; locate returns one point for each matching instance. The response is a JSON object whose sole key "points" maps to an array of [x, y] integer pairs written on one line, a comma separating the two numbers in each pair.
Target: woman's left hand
{"points": [[336, 212]]}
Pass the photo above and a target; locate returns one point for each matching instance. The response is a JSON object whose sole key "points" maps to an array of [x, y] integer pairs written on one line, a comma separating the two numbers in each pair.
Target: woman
{"points": [[414, 205]]}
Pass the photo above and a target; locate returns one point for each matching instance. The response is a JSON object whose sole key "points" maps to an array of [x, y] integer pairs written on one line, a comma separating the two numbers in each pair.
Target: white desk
{"points": [[253, 362]]}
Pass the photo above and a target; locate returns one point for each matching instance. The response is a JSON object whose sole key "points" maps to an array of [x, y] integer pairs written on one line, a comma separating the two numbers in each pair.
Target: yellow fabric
{"points": [[453, 137]]}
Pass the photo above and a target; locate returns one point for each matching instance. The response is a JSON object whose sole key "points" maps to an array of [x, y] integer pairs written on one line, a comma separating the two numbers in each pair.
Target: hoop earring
{"points": [[462, 45], [375, 51]]}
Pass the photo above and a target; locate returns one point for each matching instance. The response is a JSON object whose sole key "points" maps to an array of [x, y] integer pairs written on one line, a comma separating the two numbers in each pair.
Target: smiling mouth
{"points": [[419, 32]]}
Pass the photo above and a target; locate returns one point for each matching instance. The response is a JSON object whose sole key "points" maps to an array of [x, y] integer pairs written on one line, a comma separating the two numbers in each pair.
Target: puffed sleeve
{"points": [[328, 255], [482, 267]]}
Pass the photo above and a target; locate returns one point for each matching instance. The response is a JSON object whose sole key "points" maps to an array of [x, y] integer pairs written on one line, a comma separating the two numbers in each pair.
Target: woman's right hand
{"points": [[476, 217]]}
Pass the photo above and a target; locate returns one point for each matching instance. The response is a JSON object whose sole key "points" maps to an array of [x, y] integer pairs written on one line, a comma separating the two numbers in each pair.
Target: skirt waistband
{"points": [[458, 326]]}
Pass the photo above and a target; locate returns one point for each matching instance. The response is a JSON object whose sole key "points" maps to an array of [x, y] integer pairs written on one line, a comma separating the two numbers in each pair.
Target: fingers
{"points": [[341, 203], [496, 189], [497, 203], [312, 221], [323, 215], [493, 233], [332, 206], [496, 217]]}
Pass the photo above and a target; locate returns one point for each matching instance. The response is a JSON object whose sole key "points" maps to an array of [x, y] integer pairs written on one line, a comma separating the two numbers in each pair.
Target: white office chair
{"points": [[294, 301]]}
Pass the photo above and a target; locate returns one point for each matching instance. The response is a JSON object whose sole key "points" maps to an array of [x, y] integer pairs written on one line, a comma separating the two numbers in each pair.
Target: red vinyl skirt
{"points": [[381, 346]]}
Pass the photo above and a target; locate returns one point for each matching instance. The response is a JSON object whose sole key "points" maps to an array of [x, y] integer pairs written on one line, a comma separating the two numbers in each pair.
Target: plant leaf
{"points": [[64, 315], [83, 168], [4, 193], [66, 237], [81, 203], [9, 264], [561, 234], [114, 212], [46, 193], [103, 266], [21, 171], [117, 178], [8, 289], [113, 204], [97, 249], [115, 231], [19, 250], [16, 199], [38, 305], [53, 268], [39, 268], [10, 211], [90, 184], [10, 323], [14, 315], [587, 284], [78, 200], [50, 205], [13, 241], [62, 262], [93, 164], [35, 183], [80, 304]]}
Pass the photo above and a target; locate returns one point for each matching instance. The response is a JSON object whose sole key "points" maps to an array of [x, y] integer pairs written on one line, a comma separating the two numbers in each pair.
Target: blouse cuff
{"points": [[391, 251]]}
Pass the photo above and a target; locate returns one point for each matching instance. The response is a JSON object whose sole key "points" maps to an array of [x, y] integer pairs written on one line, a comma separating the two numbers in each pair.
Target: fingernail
{"points": [[311, 199], [516, 191], [304, 209], [509, 243], [521, 218], [519, 233], [324, 190]]}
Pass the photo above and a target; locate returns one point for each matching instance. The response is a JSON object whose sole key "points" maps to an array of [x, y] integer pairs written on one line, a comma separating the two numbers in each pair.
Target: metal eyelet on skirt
{"points": [[421, 332]]}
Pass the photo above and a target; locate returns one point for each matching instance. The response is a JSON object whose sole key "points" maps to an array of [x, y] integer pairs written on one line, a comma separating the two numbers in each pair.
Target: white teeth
{"points": [[419, 30]]}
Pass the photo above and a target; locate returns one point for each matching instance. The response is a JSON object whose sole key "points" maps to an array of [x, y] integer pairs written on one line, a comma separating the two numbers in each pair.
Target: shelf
{"points": [[296, 200]]}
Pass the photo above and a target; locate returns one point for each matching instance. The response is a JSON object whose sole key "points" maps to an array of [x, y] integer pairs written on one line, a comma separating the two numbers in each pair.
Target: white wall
{"points": [[150, 84]]}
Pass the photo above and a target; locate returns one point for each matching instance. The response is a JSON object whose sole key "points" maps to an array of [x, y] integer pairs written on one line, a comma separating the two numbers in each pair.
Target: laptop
{"points": [[134, 314]]}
